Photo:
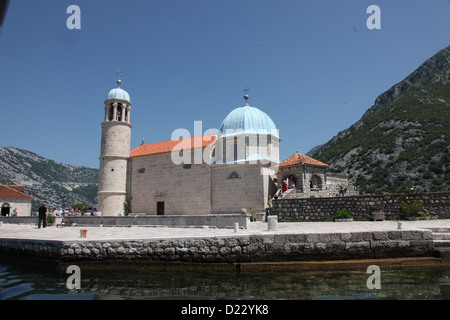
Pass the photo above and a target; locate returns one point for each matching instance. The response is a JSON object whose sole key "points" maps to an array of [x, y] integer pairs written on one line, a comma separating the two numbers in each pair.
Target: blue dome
{"points": [[248, 120], [118, 93]]}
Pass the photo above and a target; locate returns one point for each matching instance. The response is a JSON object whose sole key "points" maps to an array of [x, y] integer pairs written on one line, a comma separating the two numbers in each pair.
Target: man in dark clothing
{"points": [[42, 216]]}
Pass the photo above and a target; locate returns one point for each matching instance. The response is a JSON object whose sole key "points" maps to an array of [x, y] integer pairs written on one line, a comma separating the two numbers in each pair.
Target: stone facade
{"points": [[362, 207], [182, 189], [195, 188], [240, 186]]}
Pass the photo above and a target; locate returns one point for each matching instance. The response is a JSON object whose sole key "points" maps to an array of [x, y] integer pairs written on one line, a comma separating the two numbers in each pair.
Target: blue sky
{"points": [[313, 66]]}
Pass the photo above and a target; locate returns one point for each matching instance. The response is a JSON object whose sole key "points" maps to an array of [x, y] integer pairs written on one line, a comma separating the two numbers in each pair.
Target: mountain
{"points": [[59, 185], [314, 150], [403, 140]]}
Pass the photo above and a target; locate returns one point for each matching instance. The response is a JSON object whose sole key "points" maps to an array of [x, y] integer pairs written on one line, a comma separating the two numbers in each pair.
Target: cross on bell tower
{"points": [[119, 82], [246, 96]]}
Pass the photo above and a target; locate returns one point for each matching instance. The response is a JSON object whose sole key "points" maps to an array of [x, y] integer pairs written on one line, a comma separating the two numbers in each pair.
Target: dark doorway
{"points": [[5, 209], [160, 208]]}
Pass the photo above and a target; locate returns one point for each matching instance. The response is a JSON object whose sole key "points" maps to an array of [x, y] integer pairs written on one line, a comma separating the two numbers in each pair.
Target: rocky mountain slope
{"points": [[403, 140], [59, 185]]}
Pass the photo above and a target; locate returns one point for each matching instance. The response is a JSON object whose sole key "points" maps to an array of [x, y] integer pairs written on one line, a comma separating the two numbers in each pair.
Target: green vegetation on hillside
{"points": [[404, 139]]}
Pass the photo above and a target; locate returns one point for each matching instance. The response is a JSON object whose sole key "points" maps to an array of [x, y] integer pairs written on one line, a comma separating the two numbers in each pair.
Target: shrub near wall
{"points": [[362, 207]]}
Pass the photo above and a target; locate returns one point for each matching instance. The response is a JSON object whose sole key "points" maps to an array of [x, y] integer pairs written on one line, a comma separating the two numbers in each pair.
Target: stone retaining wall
{"points": [[231, 249], [19, 220], [362, 207]]}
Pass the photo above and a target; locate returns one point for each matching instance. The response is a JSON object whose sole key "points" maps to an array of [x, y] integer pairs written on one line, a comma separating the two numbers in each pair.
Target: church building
{"points": [[222, 172]]}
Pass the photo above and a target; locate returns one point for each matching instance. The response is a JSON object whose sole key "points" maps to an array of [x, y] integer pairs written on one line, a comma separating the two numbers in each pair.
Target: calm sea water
{"points": [[20, 281]]}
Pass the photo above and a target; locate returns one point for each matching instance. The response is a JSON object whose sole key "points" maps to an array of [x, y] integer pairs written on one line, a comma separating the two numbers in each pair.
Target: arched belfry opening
{"points": [[110, 113], [119, 112]]}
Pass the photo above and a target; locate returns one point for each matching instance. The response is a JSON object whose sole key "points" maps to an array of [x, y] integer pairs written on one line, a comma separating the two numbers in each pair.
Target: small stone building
{"points": [[14, 199], [301, 176]]}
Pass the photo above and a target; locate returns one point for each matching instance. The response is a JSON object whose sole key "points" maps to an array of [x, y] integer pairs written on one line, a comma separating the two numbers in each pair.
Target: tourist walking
{"points": [[269, 209], [42, 216]]}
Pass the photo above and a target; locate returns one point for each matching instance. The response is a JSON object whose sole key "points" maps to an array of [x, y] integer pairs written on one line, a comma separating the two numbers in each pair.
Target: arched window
{"points": [[289, 182], [110, 112], [119, 112], [233, 175], [235, 149], [315, 182], [126, 115]]}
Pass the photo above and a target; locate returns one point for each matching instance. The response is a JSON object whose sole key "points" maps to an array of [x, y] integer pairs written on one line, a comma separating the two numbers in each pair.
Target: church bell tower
{"points": [[114, 153]]}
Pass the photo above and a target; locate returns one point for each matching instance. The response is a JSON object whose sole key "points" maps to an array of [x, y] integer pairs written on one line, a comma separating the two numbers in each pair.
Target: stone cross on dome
{"points": [[246, 97], [119, 82]]}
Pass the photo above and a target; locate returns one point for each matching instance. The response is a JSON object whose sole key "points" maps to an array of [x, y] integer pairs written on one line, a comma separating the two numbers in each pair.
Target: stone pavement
{"points": [[15, 231]]}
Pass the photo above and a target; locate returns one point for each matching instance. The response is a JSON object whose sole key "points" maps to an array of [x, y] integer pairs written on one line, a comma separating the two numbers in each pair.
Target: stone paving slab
{"points": [[14, 231]]}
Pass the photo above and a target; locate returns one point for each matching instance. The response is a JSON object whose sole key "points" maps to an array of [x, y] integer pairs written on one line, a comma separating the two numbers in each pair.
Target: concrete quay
{"points": [[293, 241]]}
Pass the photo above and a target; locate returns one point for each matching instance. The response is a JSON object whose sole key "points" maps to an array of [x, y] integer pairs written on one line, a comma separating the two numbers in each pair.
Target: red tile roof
{"points": [[299, 158], [13, 192], [169, 146]]}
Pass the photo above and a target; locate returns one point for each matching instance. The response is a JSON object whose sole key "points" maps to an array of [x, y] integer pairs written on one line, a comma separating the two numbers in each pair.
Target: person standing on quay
{"points": [[269, 209], [42, 216]]}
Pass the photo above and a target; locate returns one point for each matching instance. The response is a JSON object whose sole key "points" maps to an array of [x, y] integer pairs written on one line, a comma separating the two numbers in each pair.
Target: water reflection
{"points": [[22, 282]]}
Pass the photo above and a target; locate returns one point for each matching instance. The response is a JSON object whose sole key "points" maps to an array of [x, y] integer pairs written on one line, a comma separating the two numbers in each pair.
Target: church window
{"points": [[235, 149], [187, 166], [269, 146], [233, 175]]}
